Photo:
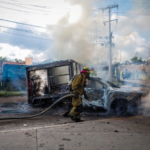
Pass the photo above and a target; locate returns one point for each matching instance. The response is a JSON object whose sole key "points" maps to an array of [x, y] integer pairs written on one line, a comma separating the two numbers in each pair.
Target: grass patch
{"points": [[12, 93]]}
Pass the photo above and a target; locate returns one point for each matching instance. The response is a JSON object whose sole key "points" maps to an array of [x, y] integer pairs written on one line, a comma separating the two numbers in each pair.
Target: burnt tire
{"points": [[121, 107]]}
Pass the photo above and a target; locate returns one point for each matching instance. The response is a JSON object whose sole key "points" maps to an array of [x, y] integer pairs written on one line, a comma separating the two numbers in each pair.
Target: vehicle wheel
{"points": [[121, 107]]}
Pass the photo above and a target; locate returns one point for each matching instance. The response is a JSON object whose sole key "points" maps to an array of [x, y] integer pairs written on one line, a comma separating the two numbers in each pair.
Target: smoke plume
{"points": [[70, 39]]}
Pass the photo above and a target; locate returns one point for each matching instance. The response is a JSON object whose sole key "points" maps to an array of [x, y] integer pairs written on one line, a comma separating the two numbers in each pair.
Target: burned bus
{"points": [[48, 82]]}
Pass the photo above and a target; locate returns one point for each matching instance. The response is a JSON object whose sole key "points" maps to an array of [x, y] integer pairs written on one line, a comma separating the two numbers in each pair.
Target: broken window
{"points": [[94, 84], [58, 75], [39, 81]]}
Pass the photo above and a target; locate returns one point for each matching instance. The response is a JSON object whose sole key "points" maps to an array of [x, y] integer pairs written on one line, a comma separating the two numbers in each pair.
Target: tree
{"points": [[136, 60], [140, 60], [3, 58], [18, 60]]}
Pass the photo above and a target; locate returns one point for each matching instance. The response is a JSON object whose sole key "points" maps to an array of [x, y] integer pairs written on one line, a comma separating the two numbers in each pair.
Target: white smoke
{"points": [[71, 39]]}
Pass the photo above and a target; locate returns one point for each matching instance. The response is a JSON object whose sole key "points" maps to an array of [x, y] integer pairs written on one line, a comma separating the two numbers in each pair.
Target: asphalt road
{"points": [[18, 107], [52, 117], [52, 131]]}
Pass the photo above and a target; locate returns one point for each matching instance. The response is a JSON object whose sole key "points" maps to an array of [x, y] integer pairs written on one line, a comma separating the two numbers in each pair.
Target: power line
{"points": [[10, 13], [133, 2], [146, 7], [24, 35], [125, 4], [122, 2], [126, 1], [18, 5], [22, 30], [41, 6], [22, 23], [22, 11], [126, 14], [132, 14], [133, 19], [94, 10]]}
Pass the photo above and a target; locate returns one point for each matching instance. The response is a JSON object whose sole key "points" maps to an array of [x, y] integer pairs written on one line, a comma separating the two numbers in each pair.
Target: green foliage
{"points": [[3, 58], [6, 60], [136, 60], [18, 60], [12, 93]]}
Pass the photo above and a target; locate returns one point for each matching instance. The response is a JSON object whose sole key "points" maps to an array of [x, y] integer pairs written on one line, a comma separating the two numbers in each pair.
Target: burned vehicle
{"points": [[48, 82], [105, 95]]}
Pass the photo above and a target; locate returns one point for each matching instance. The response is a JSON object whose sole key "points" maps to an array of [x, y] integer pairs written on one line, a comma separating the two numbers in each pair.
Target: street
{"points": [[131, 133], [52, 131]]}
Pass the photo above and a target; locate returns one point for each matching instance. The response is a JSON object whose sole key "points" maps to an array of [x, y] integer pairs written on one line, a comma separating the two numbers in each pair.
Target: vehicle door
{"points": [[94, 90]]}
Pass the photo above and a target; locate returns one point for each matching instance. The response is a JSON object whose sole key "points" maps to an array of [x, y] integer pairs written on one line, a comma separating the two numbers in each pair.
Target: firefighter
{"points": [[78, 85]]}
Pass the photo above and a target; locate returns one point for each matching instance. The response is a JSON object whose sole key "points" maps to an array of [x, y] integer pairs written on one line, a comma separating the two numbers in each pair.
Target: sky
{"points": [[74, 29]]}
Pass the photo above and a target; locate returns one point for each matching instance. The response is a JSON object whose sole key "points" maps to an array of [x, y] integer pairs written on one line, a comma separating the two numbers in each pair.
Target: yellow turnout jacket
{"points": [[78, 83]]}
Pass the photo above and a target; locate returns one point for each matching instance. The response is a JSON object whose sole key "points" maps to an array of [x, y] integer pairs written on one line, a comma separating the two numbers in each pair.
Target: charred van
{"points": [[48, 82]]}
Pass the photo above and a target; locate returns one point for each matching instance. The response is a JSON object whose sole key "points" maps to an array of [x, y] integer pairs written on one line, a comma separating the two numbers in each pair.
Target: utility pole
{"points": [[110, 37]]}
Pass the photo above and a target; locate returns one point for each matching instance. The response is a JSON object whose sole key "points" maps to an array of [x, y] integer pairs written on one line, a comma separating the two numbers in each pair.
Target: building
{"points": [[9, 67], [1, 71]]}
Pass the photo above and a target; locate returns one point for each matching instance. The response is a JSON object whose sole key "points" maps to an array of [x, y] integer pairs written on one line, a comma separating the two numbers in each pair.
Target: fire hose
{"points": [[32, 116]]}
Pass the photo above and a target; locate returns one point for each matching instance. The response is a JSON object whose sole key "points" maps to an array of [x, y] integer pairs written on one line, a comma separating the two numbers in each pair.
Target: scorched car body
{"points": [[105, 95]]}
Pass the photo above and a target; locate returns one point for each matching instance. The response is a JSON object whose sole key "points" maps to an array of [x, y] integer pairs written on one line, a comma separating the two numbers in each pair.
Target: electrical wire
{"points": [[22, 6], [22, 30], [122, 3], [22, 11], [22, 23], [126, 1], [25, 35], [127, 14], [41, 6], [133, 18]]}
